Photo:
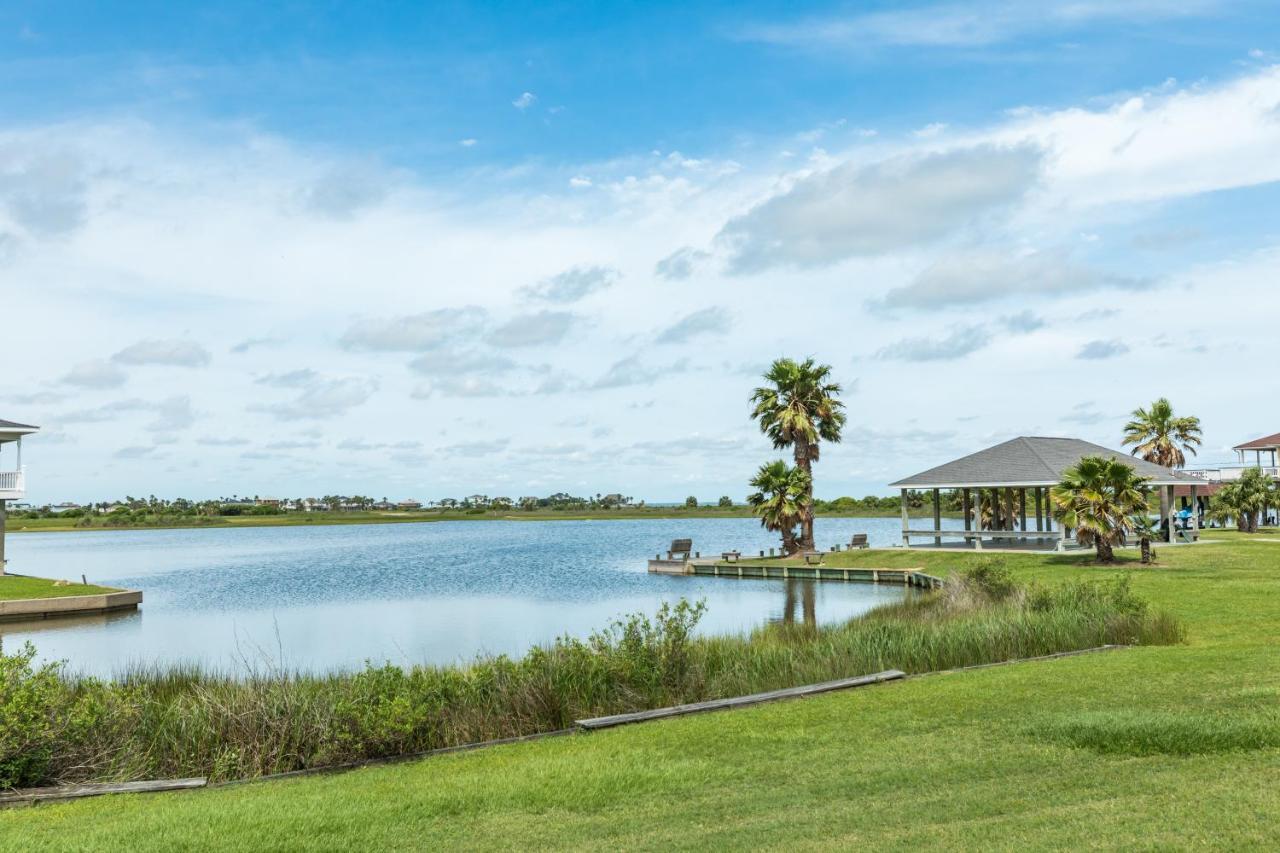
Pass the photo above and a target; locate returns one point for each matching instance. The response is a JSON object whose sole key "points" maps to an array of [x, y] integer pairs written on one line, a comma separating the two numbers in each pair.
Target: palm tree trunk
{"points": [[1146, 550], [1105, 552], [806, 510]]}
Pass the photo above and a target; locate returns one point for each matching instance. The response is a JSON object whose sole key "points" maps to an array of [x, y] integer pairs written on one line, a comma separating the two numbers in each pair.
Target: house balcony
{"points": [[1228, 473], [13, 485]]}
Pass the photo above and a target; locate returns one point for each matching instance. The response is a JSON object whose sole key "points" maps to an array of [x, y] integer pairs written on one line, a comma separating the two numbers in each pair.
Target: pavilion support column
{"points": [[966, 509], [1009, 515], [906, 540], [1039, 510], [1022, 510], [977, 519], [1171, 512], [937, 515], [3, 514]]}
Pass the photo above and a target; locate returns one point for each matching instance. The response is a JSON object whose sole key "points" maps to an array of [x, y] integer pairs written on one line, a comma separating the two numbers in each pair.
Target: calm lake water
{"points": [[321, 598]]}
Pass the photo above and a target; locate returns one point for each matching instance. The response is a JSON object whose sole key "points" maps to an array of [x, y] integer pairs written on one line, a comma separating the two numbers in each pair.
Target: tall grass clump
{"points": [[183, 721]]}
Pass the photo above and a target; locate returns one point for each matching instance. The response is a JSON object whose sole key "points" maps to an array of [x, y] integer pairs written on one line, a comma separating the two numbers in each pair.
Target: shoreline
{"points": [[344, 518]]}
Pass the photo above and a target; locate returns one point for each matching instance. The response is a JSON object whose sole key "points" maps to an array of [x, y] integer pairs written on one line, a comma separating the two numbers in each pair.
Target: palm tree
{"points": [[1243, 500], [1160, 437], [778, 500], [1146, 530], [798, 409], [1098, 498]]}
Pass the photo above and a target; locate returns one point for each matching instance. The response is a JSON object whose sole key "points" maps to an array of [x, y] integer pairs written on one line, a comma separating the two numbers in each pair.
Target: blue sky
{"points": [[413, 251]]}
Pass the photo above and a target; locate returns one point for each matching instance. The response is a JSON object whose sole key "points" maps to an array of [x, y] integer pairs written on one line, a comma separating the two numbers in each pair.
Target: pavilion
{"points": [[12, 480], [998, 479]]}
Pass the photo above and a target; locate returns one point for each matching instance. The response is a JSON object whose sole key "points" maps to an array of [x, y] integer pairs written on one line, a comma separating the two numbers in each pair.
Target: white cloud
{"points": [[713, 320], [413, 333], [680, 264], [573, 284], [1100, 349], [537, 329], [170, 353], [855, 210], [959, 342], [323, 398], [526, 100], [95, 374], [985, 275]]}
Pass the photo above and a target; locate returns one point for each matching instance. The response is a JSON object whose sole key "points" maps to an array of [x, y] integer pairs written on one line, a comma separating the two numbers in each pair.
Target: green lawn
{"points": [[13, 587], [1144, 748]]}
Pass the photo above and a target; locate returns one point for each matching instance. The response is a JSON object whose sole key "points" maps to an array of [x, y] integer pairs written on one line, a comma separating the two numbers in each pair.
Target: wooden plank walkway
{"points": [[595, 723]]}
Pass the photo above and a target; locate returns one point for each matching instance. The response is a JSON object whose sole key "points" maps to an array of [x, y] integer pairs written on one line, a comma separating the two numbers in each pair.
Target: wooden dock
{"points": [[914, 577]]}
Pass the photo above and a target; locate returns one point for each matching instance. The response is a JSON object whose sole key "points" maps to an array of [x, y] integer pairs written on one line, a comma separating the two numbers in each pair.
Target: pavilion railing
{"points": [[12, 484]]}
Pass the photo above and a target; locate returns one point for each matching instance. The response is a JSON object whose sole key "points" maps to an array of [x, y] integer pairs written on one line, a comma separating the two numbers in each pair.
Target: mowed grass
{"points": [[1153, 747], [14, 587]]}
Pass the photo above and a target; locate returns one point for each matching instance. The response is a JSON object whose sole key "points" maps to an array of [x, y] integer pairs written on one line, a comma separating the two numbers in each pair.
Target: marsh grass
{"points": [[155, 722]]}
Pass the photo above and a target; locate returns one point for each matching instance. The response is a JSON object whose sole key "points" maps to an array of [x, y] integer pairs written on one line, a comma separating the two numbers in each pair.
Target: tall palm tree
{"points": [[1098, 498], [798, 409], [1160, 437], [778, 500], [1244, 500]]}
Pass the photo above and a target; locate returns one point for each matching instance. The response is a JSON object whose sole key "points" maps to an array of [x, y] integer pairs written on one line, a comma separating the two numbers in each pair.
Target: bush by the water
{"points": [[167, 722]]}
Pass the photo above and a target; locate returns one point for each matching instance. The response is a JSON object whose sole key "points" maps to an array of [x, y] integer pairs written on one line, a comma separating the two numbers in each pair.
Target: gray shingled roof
{"points": [[1029, 461], [14, 425]]}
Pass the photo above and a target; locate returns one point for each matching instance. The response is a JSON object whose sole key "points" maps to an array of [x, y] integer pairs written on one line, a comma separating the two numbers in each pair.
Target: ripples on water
{"points": [[329, 597]]}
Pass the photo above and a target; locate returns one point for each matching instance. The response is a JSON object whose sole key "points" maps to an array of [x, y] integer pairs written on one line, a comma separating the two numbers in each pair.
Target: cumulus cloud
{"points": [[94, 374], [680, 264], [974, 277], [172, 414], [573, 284], [1023, 322], [708, 321], [536, 329], [300, 378], [486, 447], [323, 398], [526, 100], [171, 353], [1101, 349], [415, 332], [451, 363], [854, 210], [253, 343], [959, 342], [344, 191]]}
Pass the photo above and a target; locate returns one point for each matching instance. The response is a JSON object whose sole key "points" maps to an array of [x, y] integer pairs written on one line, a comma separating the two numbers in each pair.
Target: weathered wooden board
{"points": [[739, 701], [96, 789]]}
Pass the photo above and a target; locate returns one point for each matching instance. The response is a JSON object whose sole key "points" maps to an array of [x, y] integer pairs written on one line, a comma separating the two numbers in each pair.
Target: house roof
{"points": [[11, 430], [1265, 443], [1029, 461]]}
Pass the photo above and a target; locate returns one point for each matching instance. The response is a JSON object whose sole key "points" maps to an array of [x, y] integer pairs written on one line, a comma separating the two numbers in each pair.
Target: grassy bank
{"points": [[303, 519], [1034, 756], [181, 722], [14, 587]]}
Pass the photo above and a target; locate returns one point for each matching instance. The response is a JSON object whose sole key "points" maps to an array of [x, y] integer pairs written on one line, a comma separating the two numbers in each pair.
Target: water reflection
{"points": [[801, 594]]}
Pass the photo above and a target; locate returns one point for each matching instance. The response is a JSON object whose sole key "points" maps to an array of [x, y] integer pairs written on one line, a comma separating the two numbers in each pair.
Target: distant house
{"points": [[275, 502], [614, 500], [409, 504], [58, 509], [112, 507], [500, 503], [383, 505], [476, 500]]}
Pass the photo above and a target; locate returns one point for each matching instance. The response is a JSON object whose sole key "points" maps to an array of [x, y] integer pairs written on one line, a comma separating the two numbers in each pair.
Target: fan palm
{"points": [[1098, 498], [799, 408], [778, 500], [1160, 437], [1243, 500]]}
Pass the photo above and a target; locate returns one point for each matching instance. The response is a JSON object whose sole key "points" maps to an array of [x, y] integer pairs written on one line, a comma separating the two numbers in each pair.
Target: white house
{"points": [[13, 478]]}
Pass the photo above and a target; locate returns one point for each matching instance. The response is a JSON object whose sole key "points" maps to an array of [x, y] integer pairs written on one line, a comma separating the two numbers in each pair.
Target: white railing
{"points": [[1228, 473], [12, 484]]}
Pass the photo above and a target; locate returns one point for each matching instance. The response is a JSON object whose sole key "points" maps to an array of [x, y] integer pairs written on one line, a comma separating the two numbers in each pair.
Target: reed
{"points": [[155, 722]]}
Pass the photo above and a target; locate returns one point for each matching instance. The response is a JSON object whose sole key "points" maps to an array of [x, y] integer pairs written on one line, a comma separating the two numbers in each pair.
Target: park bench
{"points": [[812, 558], [859, 540], [684, 547], [731, 556]]}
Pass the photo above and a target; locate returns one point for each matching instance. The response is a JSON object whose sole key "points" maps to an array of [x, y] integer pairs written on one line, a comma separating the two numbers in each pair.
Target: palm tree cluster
{"points": [[798, 408], [1244, 500]]}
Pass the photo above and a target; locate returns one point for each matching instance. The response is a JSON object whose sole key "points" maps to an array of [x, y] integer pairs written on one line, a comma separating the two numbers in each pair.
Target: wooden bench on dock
{"points": [[859, 540], [812, 558], [731, 556], [684, 547]]}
